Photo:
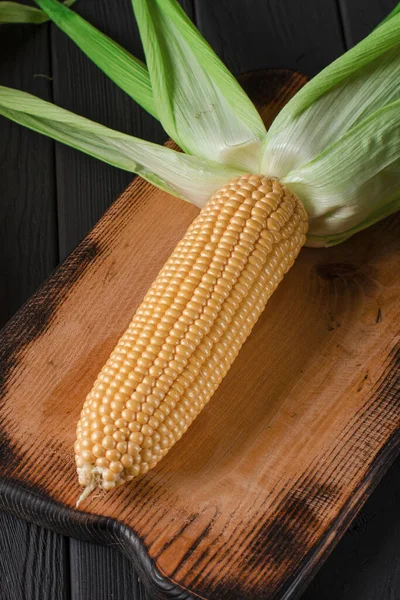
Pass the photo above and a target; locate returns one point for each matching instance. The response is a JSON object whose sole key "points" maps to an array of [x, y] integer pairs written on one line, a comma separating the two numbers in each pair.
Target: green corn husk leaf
{"points": [[12, 12], [364, 165], [128, 72], [200, 104], [343, 108], [188, 177]]}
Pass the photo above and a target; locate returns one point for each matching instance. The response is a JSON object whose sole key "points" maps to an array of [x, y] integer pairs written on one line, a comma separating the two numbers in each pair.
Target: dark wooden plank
{"points": [[32, 565], [103, 573], [33, 561], [360, 17], [28, 229], [85, 186], [366, 563], [304, 36]]}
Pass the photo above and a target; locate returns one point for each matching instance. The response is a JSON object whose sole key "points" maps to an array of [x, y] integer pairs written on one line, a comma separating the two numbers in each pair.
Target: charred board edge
{"points": [[36, 507], [317, 555], [37, 314]]}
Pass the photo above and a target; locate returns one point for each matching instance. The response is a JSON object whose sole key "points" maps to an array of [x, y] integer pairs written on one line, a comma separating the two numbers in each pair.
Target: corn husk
{"points": [[336, 144], [13, 12]]}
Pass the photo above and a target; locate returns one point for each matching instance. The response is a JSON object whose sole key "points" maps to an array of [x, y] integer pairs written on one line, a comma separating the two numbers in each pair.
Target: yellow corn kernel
{"points": [[188, 329]]}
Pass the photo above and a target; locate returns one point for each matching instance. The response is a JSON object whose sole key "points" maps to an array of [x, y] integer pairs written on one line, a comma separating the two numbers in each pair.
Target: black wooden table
{"points": [[51, 196]]}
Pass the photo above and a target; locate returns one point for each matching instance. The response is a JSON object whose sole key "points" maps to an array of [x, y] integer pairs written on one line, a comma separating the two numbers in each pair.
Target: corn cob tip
{"points": [[189, 329], [87, 491], [91, 477]]}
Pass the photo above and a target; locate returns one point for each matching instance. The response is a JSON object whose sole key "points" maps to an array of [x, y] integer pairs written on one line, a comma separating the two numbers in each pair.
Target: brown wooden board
{"points": [[249, 503]]}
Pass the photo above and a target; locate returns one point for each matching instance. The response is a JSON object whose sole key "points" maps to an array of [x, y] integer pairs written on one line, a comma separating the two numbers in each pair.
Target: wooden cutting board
{"points": [[253, 498]]}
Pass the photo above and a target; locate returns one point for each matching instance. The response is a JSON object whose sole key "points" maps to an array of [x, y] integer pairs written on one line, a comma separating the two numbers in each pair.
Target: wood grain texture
{"points": [[28, 228], [32, 562], [247, 514], [358, 19], [101, 573], [304, 36]]}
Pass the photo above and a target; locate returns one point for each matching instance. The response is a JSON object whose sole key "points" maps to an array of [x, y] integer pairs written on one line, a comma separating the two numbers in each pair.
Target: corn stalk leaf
{"points": [[128, 72], [188, 177], [200, 104], [12, 12]]}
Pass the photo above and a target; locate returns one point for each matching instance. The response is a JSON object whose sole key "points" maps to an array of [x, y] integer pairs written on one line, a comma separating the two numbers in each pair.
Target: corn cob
{"points": [[189, 329]]}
